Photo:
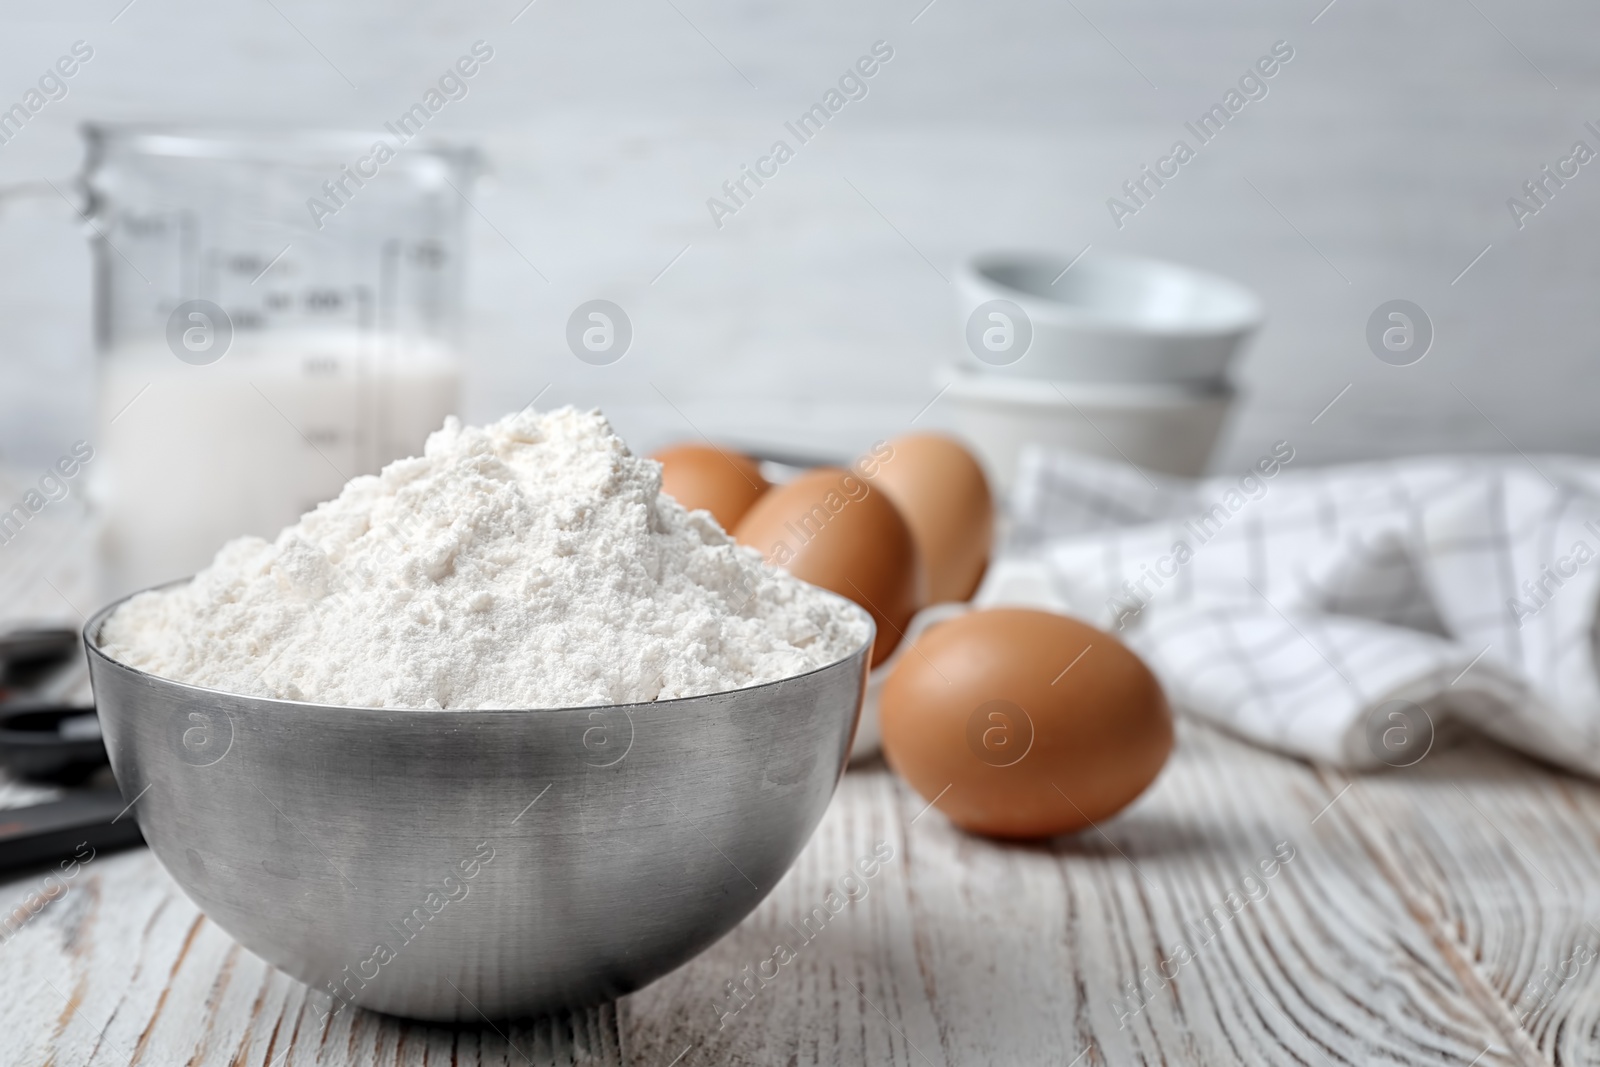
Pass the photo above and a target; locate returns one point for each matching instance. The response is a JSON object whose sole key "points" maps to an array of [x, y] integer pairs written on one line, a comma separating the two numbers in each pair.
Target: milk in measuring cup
{"points": [[192, 456]]}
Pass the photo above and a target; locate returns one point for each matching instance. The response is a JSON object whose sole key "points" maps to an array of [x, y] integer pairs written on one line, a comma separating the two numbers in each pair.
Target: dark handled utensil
{"points": [[49, 741], [42, 740], [41, 735], [28, 656], [99, 818]]}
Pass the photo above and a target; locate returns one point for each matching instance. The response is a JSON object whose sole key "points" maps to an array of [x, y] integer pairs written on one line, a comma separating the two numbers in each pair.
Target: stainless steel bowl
{"points": [[456, 865]]}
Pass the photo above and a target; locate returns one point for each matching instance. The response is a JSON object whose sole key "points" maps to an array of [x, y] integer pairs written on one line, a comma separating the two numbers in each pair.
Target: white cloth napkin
{"points": [[1345, 614]]}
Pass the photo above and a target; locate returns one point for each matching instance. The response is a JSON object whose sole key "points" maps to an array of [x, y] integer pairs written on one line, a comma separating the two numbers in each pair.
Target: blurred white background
{"points": [[816, 315]]}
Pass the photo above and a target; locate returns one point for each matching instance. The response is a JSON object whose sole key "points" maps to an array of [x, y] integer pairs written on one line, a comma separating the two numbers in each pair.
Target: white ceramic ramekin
{"points": [[1169, 428], [1112, 319]]}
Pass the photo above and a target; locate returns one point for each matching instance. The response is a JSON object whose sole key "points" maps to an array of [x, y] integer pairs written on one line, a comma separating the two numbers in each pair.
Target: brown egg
{"points": [[831, 529], [940, 489], [703, 476], [1024, 724]]}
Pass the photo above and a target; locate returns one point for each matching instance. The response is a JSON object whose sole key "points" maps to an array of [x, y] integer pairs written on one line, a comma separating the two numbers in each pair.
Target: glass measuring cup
{"points": [[275, 313]]}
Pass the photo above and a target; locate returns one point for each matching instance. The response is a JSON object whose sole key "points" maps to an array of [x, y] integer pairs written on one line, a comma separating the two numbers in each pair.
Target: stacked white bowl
{"points": [[1119, 357]]}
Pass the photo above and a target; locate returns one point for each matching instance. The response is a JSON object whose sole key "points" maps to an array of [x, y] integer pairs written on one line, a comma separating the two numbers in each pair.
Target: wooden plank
{"points": [[973, 952], [123, 969], [1498, 858], [1405, 928]]}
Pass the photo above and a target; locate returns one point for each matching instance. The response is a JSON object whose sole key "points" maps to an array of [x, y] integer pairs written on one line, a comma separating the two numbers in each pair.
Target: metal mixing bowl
{"points": [[455, 865]]}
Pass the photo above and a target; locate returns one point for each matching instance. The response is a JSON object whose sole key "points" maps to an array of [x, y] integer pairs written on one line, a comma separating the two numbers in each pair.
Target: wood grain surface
{"points": [[1273, 912]]}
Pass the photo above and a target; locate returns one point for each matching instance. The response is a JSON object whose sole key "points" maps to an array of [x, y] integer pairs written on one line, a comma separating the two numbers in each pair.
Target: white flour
{"points": [[531, 563]]}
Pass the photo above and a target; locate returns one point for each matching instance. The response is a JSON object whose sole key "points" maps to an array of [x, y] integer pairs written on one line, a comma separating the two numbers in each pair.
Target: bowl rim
{"points": [[93, 649], [975, 272], [249, 141], [964, 384]]}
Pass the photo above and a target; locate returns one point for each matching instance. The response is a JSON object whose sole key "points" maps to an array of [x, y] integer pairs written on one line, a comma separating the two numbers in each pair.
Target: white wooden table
{"points": [[1420, 910]]}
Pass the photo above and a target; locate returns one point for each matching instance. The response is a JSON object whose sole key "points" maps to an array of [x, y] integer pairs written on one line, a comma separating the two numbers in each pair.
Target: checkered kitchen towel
{"points": [[1341, 614]]}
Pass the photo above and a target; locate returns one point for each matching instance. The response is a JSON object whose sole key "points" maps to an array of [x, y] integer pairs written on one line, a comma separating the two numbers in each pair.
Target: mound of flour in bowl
{"points": [[525, 564]]}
